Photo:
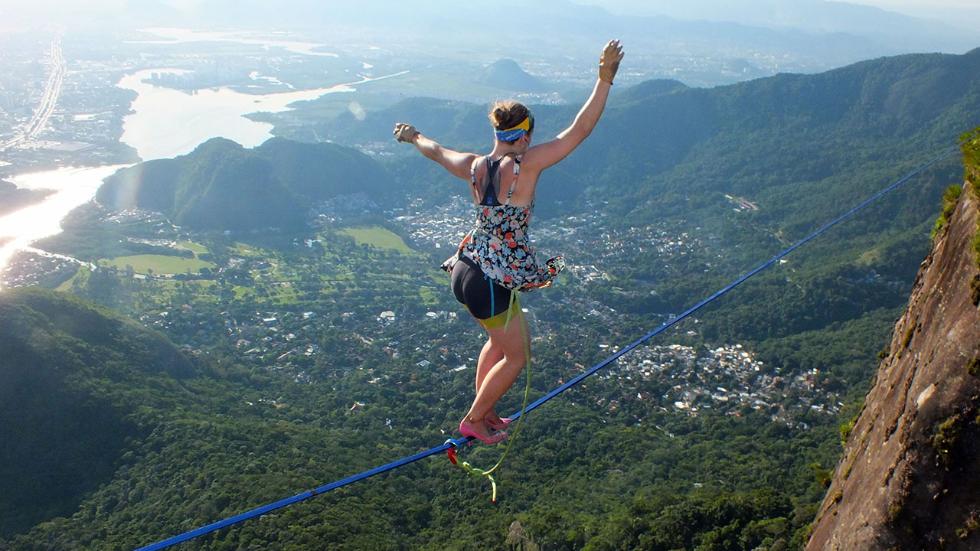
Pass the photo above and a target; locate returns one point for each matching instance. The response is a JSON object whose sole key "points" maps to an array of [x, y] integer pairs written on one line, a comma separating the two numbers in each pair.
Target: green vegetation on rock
{"points": [[950, 197]]}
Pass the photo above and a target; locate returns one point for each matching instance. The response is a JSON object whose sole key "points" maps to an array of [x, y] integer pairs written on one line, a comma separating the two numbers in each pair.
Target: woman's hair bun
{"points": [[507, 114]]}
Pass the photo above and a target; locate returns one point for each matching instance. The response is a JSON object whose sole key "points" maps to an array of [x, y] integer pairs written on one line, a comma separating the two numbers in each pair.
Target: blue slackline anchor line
{"points": [[458, 442]]}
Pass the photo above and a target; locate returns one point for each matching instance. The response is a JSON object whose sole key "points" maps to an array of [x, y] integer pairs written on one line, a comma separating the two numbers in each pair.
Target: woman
{"points": [[495, 260]]}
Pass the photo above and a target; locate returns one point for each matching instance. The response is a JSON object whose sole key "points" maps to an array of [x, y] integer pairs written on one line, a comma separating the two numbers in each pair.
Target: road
{"points": [[49, 100]]}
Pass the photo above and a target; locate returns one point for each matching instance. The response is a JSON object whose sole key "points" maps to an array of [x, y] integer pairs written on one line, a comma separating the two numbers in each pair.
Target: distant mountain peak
{"points": [[508, 74], [656, 87]]}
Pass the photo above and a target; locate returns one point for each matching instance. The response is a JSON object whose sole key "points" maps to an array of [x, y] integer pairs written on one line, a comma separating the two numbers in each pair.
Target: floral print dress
{"points": [[499, 244]]}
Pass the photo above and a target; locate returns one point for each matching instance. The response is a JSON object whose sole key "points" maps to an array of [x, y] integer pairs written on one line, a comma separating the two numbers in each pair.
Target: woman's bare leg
{"points": [[489, 357], [498, 380]]}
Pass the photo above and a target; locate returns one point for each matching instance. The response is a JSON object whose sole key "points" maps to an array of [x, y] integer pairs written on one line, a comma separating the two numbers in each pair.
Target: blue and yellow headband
{"points": [[514, 133]]}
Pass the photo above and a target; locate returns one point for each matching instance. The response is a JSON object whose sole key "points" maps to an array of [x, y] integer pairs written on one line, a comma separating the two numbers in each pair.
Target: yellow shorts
{"points": [[498, 321]]}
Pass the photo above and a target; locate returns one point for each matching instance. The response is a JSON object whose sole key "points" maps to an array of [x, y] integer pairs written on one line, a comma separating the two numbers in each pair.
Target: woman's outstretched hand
{"points": [[405, 132], [612, 54]]}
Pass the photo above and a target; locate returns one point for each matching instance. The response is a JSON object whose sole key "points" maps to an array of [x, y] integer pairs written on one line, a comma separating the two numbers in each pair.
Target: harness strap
{"points": [[490, 283], [489, 196]]}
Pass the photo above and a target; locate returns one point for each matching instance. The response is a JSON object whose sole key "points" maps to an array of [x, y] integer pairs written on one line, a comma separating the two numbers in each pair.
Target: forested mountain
{"points": [[223, 186], [72, 380]]}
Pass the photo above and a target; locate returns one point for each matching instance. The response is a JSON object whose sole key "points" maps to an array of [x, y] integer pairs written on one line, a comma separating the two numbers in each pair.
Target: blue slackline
{"points": [[457, 442]]}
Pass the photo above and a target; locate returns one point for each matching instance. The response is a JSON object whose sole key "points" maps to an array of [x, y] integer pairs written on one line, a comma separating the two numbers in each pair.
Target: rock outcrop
{"points": [[910, 473]]}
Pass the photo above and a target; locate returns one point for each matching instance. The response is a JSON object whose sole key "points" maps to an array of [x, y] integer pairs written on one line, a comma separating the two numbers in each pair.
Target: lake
{"points": [[166, 122]]}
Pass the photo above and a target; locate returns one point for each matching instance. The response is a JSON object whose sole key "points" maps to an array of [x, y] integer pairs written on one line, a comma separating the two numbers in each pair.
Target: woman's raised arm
{"points": [[542, 156], [458, 164]]}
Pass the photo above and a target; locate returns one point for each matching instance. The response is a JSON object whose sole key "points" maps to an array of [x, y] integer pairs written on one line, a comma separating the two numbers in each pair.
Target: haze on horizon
{"points": [[964, 14]]}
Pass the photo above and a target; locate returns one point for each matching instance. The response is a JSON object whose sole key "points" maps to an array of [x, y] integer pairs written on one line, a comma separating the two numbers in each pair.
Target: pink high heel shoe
{"points": [[466, 429]]}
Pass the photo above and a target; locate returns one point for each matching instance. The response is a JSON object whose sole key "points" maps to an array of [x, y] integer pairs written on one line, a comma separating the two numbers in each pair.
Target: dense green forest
{"points": [[209, 391], [152, 441]]}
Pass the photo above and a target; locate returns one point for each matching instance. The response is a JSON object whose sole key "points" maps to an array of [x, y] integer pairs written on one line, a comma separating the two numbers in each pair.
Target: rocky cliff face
{"points": [[910, 473]]}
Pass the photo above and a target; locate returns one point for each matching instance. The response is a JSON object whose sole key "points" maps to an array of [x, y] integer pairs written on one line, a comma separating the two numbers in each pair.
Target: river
{"points": [[72, 187]]}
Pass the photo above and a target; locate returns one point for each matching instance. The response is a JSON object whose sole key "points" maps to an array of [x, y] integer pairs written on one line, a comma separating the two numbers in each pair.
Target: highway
{"points": [[49, 100]]}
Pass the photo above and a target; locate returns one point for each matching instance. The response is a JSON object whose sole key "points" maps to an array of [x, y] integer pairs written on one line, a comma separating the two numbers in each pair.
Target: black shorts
{"points": [[473, 290]]}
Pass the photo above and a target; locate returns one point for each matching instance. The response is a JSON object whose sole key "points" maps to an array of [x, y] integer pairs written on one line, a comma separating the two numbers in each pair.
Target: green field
{"points": [[195, 248], [376, 236], [241, 249], [159, 264]]}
